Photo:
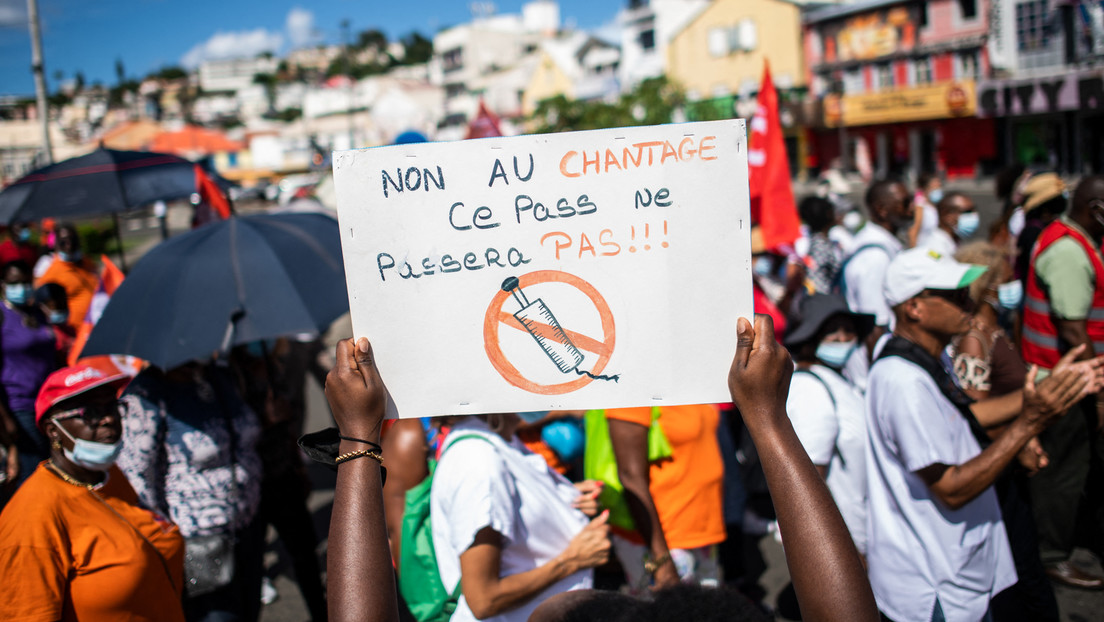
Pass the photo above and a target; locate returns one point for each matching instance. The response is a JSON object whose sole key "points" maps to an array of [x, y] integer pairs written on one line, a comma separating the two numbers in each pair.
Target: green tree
{"points": [[269, 81], [416, 49], [371, 38], [171, 72], [652, 102]]}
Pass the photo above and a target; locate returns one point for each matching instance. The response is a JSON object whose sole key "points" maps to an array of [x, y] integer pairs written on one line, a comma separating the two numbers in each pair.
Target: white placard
{"points": [[592, 269]]}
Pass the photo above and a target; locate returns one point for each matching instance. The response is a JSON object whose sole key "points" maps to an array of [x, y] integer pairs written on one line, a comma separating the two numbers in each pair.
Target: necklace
{"points": [[68, 478]]}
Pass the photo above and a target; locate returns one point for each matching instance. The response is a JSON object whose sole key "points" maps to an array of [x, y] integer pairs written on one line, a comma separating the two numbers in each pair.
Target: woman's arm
{"points": [[359, 576], [406, 451], [489, 594], [630, 446], [827, 571]]}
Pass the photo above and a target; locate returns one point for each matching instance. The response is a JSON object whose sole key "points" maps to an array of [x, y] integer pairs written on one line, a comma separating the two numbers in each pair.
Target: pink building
{"points": [[901, 77]]}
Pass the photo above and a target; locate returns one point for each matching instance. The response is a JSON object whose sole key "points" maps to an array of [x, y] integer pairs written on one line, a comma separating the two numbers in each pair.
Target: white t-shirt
{"points": [[917, 548], [830, 420], [941, 242], [929, 221], [513, 491], [864, 272]]}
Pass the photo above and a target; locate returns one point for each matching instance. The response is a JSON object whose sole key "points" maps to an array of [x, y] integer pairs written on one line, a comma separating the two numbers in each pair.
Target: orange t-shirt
{"points": [[80, 285], [687, 489], [67, 555]]}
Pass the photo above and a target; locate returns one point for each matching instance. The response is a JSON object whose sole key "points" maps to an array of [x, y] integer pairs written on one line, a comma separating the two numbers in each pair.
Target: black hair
{"points": [[1054, 206], [52, 292], [680, 602], [926, 178], [880, 191], [948, 200], [18, 264], [817, 212]]}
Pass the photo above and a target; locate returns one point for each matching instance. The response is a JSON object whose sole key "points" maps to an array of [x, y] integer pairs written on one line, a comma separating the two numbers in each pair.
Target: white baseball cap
{"points": [[917, 269]]}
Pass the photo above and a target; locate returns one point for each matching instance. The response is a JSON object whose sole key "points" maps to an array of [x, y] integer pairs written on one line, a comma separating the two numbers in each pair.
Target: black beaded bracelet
{"points": [[360, 440]]}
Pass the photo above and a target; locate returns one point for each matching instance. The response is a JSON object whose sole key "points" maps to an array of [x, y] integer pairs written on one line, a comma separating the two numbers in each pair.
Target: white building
{"points": [[235, 73], [646, 28], [490, 58]]}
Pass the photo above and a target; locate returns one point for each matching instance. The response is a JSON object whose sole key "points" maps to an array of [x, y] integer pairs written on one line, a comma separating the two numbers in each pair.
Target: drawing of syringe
{"points": [[537, 318]]}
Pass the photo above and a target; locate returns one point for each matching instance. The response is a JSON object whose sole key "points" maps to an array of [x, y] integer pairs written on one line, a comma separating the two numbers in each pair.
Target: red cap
{"points": [[69, 382]]}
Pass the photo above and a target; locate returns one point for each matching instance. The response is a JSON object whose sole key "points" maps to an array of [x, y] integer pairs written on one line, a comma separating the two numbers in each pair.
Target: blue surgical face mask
{"points": [[57, 317], [1010, 294], [18, 294], [935, 196], [72, 257], [533, 416], [90, 454], [835, 354], [967, 224], [25, 235]]}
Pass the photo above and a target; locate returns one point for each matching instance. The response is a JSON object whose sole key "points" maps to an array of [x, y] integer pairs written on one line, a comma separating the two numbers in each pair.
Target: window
{"points": [[966, 65], [883, 76], [1032, 32], [853, 81], [647, 39], [453, 60], [922, 69], [923, 14], [968, 8]]}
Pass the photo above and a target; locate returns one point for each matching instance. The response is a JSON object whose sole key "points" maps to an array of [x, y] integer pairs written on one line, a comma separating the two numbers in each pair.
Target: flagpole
{"points": [[119, 241], [39, 71]]}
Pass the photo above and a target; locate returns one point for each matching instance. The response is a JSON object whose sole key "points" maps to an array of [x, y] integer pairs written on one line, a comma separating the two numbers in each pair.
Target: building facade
{"points": [[898, 80], [1046, 94]]}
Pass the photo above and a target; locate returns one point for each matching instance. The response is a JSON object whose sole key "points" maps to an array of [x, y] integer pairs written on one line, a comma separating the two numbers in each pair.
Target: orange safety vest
{"points": [[1041, 345]]}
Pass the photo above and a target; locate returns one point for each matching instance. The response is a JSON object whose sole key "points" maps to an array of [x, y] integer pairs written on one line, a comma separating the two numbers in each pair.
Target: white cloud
{"points": [[240, 44], [300, 27], [13, 13]]}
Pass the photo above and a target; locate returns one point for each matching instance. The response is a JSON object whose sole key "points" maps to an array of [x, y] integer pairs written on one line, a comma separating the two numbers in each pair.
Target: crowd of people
{"points": [[922, 434]]}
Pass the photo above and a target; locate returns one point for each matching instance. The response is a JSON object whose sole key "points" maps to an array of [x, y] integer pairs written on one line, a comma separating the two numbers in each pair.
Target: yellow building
{"points": [[720, 52], [549, 80], [718, 57], [576, 66]]}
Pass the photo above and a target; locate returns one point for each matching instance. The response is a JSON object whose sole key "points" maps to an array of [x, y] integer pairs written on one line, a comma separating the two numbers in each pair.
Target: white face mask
{"points": [[835, 354], [967, 224], [90, 454]]}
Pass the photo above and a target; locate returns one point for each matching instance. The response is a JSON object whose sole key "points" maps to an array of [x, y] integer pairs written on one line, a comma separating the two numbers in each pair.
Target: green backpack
{"points": [[419, 581], [600, 463]]}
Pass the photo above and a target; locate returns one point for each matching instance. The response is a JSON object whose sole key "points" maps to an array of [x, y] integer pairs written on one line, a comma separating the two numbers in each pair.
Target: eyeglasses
{"points": [[958, 297], [90, 414]]}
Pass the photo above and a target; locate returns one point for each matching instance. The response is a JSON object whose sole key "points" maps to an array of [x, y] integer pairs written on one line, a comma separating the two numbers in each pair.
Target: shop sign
{"points": [[940, 101], [1004, 98]]}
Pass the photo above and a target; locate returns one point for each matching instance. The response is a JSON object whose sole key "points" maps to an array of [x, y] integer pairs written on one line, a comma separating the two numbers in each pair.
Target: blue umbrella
{"points": [[105, 181], [231, 282]]}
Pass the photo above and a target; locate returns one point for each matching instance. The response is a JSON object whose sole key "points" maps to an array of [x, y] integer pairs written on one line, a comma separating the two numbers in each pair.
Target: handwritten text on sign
{"points": [[580, 270]]}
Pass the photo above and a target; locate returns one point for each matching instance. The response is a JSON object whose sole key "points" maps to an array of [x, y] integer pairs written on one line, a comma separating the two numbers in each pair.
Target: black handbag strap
{"points": [[901, 347]]}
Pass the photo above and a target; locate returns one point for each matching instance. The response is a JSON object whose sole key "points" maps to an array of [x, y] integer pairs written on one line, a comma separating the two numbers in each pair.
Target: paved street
{"points": [[1076, 605]]}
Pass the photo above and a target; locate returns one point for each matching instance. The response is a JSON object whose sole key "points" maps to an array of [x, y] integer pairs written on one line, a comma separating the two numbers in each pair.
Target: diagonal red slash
{"points": [[580, 340]]}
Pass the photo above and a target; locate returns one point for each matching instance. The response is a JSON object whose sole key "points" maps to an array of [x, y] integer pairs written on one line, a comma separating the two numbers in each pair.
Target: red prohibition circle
{"points": [[495, 317]]}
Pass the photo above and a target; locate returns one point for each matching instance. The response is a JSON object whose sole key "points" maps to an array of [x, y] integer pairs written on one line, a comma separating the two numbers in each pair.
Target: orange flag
{"points": [[210, 192], [772, 199], [111, 276]]}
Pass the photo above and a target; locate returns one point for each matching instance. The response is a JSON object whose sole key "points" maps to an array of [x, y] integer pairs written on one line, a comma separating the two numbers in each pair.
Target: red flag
{"points": [[485, 124], [111, 276], [772, 199], [211, 194]]}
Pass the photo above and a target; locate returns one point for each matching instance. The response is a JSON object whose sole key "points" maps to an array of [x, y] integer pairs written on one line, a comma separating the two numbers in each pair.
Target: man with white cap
{"points": [[937, 547]]}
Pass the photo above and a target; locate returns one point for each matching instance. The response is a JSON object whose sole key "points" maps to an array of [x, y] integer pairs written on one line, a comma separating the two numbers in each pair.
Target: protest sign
{"points": [[591, 269]]}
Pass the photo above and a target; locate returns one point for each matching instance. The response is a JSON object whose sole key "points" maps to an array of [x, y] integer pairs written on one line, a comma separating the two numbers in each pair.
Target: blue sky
{"points": [[89, 35]]}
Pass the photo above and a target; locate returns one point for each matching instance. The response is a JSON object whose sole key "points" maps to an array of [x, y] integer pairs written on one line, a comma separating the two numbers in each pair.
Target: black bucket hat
{"points": [[818, 309]]}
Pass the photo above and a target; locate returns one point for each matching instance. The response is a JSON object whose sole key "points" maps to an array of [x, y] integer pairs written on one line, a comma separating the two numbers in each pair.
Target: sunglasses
{"points": [[957, 297], [89, 414]]}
